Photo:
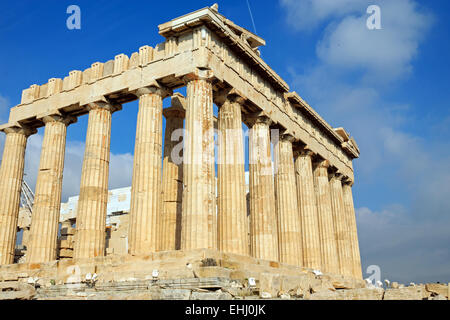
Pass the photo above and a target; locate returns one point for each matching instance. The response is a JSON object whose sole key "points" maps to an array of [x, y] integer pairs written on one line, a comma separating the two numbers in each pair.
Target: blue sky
{"points": [[388, 88]]}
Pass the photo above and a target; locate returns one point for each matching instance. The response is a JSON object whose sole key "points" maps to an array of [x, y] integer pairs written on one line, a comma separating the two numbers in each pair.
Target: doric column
{"points": [[92, 204], [199, 220], [341, 230], [172, 185], [11, 175], [328, 247], [351, 222], [309, 217], [263, 220], [289, 234], [146, 185], [232, 204], [47, 201]]}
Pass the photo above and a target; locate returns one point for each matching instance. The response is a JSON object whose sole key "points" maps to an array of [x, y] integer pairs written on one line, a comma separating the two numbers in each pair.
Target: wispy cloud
{"points": [[309, 14]]}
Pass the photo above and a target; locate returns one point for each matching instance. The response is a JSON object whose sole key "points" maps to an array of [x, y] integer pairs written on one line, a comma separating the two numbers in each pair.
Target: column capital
{"points": [[178, 108], [200, 74], [258, 117], [174, 112], [336, 176], [348, 181], [67, 120], [229, 94], [154, 88], [287, 137], [104, 105], [19, 128], [322, 164], [305, 151]]}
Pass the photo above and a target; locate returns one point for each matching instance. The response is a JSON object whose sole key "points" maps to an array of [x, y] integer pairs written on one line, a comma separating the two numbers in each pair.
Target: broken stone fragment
{"points": [[16, 291], [437, 288]]}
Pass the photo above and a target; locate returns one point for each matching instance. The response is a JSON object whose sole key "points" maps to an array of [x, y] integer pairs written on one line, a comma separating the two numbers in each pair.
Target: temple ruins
{"points": [[299, 216]]}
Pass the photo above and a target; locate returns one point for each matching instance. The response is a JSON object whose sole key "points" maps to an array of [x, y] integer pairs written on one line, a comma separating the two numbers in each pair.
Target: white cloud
{"points": [[308, 14], [120, 170], [384, 54], [405, 250], [409, 238]]}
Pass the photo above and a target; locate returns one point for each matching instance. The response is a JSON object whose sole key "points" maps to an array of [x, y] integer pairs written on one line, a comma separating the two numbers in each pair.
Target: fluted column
{"points": [[351, 222], [308, 211], [341, 230], [263, 220], [289, 234], [172, 185], [146, 185], [47, 201], [199, 218], [11, 175], [328, 246], [92, 204], [232, 204]]}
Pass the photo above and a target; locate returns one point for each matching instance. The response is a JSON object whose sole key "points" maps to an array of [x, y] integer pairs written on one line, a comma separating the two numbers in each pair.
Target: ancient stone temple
{"points": [[299, 215]]}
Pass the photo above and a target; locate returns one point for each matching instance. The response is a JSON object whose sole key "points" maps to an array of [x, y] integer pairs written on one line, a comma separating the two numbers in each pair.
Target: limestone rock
{"points": [[16, 291], [352, 294], [270, 283], [218, 295], [437, 288], [407, 293]]}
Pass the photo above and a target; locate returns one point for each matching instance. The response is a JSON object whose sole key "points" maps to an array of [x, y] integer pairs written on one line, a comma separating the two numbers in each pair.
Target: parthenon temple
{"points": [[299, 212]]}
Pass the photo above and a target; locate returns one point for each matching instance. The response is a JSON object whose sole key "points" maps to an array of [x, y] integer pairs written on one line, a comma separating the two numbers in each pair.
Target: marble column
{"points": [[308, 211], [199, 217], [90, 234], [47, 201], [232, 203], [263, 219], [11, 176], [172, 185], [351, 222], [289, 235], [341, 230], [328, 247], [146, 185]]}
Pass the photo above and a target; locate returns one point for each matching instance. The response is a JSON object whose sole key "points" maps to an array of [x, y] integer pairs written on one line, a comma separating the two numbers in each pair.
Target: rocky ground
{"points": [[193, 275], [217, 289]]}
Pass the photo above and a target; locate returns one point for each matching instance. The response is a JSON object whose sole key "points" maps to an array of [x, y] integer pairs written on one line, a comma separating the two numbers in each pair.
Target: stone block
{"points": [[270, 283], [407, 293], [9, 276], [66, 244], [66, 253], [209, 272], [352, 294], [293, 283], [16, 291], [437, 288], [348, 284], [217, 295], [67, 231]]}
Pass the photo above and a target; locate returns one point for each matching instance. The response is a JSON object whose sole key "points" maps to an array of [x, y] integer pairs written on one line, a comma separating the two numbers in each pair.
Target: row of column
{"points": [[300, 215]]}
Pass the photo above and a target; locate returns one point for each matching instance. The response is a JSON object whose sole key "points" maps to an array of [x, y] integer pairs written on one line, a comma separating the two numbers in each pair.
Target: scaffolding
{"points": [[26, 197]]}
